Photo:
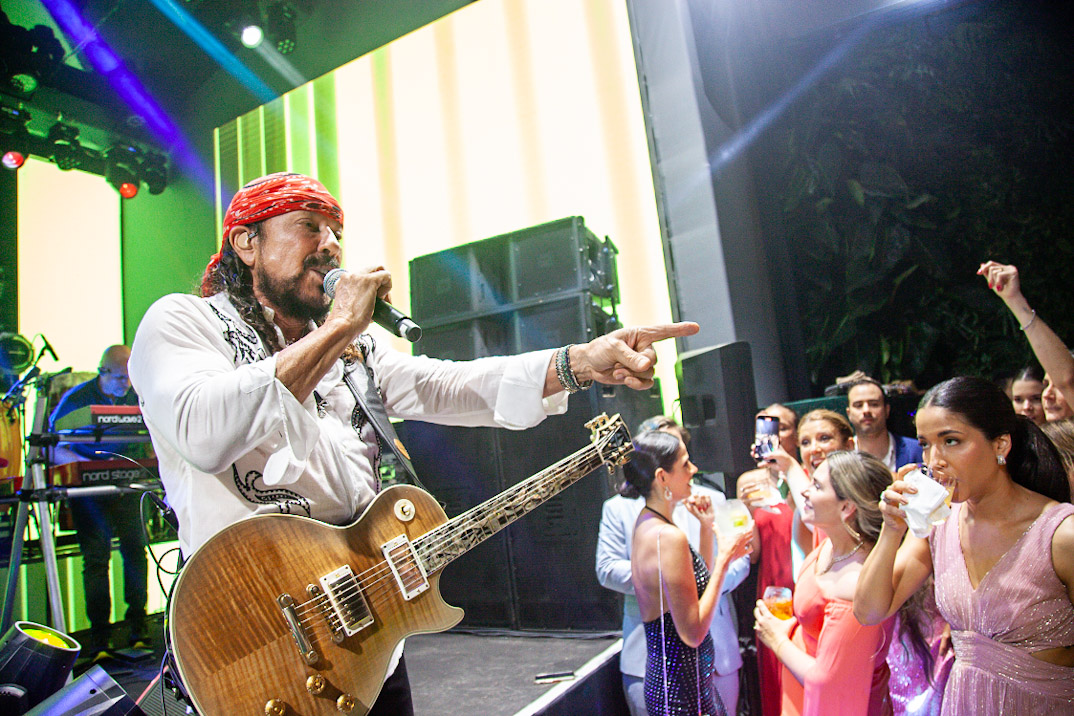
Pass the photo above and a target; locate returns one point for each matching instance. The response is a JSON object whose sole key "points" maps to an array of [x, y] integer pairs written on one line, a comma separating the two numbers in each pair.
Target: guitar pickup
{"points": [[408, 570], [348, 602]]}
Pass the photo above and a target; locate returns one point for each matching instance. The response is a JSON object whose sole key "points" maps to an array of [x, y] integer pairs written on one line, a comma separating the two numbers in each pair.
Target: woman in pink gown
{"points": [[1003, 562]]}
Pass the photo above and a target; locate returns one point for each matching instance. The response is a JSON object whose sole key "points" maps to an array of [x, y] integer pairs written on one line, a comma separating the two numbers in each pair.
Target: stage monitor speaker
{"points": [[719, 402]]}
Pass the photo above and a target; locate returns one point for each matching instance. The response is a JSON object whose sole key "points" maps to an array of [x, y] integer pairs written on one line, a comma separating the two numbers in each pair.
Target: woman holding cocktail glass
{"points": [[1003, 561], [832, 663], [677, 588], [818, 433]]}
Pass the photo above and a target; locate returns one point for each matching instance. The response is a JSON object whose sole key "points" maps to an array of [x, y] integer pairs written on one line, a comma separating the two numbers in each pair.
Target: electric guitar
{"points": [[279, 614]]}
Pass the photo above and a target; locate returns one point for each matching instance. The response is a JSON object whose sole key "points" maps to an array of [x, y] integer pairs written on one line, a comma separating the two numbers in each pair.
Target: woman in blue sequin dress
{"points": [[676, 594]]}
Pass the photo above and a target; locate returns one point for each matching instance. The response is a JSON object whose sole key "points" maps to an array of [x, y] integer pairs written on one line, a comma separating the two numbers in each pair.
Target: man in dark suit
{"points": [[868, 410]]}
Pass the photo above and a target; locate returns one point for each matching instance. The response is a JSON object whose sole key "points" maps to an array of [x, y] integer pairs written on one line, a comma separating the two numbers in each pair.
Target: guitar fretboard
{"points": [[442, 545]]}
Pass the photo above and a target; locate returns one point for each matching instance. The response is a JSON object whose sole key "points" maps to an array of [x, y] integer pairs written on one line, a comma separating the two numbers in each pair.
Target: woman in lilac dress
{"points": [[1003, 562]]}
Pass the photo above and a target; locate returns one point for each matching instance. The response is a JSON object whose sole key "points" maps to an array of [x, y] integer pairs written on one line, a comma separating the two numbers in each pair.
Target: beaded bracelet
{"points": [[565, 373]]}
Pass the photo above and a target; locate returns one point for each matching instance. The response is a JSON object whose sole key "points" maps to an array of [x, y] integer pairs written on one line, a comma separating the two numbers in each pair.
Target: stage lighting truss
{"points": [[155, 172], [123, 161], [280, 26], [14, 138], [67, 151], [27, 56]]}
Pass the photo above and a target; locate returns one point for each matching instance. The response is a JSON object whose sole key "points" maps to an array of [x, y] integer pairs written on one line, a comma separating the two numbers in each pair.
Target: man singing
{"points": [[249, 391]]}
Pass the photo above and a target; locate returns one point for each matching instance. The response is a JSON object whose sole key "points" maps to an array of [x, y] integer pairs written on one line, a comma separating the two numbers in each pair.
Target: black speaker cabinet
{"points": [[460, 467], [571, 318], [526, 266], [719, 402], [538, 573]]}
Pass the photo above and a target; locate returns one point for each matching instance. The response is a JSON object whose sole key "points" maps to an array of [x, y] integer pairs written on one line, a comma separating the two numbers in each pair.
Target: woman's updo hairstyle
{"points": [[860, 478], [652, 450], [1033, 462]]}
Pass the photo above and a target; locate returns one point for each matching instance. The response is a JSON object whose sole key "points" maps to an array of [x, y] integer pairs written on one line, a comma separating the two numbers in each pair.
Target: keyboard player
{"points": [[98, 519]]}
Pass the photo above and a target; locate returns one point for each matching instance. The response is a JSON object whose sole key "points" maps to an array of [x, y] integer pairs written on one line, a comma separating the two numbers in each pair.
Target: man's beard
{"points": [[284, 296], [872, 431]]}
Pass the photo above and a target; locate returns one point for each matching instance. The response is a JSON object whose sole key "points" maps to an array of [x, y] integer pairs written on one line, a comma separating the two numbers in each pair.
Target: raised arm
{"points": [[1051, 352], [692, 615], [896, 568]]}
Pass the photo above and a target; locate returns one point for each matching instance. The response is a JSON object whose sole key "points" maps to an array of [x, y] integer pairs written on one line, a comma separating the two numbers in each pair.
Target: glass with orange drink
{"points": [[778, 601]]}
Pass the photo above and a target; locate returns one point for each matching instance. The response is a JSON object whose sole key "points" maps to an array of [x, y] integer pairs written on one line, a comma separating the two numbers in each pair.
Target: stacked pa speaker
{"points": [[542, 287]]}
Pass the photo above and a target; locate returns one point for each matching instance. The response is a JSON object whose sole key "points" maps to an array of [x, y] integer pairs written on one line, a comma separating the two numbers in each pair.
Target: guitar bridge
{"points": [[408, 570], [348, 602]]}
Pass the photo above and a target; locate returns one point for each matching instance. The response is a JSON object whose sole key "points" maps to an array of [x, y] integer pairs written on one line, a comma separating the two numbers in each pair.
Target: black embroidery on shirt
{"points": [[358, 421], [245, 343], [287, 502], [366, 344]]}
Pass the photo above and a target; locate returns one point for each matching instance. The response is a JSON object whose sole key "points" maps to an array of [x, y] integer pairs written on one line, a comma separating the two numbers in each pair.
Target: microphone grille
{"points": [[330, 280]]}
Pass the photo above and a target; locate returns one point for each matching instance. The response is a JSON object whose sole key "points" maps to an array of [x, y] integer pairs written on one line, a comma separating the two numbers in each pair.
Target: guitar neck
{"points": [[440, 546]]}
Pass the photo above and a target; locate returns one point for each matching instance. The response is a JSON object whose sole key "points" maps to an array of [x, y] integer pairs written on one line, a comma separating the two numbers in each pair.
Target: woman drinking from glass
{"points": [[1003, 561]]}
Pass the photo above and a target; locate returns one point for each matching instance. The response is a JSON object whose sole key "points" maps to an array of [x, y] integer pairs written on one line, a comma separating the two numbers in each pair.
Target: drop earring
{"points": [[667, 493]]}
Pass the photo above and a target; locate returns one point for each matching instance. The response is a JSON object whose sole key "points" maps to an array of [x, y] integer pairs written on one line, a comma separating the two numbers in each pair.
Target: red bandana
{"points": [[270, 196]]}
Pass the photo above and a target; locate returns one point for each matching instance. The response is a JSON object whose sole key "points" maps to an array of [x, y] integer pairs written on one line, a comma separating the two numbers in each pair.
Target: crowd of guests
{"points": [[977, 617]]}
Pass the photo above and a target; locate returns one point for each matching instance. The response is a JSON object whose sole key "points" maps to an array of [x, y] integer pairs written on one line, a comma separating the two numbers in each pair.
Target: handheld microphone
{"points": [[385, 314]]}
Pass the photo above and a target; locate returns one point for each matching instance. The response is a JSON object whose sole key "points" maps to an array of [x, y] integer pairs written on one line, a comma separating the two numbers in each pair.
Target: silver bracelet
{"points": [[1031, 320]]}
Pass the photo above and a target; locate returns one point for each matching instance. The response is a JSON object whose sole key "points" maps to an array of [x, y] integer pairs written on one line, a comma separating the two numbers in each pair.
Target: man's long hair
{"points": [[232, 276], [235, 278]]}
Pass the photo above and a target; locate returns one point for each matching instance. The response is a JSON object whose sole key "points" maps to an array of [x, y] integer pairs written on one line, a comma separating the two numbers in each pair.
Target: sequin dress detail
{"points": [[1020, 606], [685, 665]]}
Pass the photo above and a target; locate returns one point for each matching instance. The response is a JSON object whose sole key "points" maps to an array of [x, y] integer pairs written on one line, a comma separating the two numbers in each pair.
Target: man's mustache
{"points": [[320, 261]]}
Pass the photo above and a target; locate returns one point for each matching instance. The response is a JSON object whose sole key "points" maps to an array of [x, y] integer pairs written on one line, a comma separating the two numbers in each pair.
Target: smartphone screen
{"points": [[767, 425], [766, 435]]}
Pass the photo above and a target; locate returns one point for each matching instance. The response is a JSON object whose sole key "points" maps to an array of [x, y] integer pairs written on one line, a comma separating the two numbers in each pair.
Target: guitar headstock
{"points": [[611, 437]]}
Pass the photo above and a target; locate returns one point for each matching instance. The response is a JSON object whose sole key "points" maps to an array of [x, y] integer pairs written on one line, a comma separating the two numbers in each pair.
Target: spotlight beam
{"points": [[276, 61], [215, 49], [107, 63], [753, 129]]}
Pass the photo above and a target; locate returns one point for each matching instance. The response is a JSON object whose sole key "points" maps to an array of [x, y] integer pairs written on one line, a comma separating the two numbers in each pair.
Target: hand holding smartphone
{"points": [[766, 436]]}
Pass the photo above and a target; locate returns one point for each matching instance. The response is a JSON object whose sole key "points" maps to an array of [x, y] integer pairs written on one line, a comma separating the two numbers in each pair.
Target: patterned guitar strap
{"points": [[373, 406]]}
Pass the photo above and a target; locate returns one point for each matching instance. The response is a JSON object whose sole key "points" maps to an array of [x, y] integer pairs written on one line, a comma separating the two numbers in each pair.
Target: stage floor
{"points": [[459, 674], [451, 673]]}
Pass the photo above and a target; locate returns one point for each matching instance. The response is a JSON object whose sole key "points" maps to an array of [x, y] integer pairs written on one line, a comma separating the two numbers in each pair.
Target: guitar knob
{"points": [[275, 707], [345, 703], [315, 684]]}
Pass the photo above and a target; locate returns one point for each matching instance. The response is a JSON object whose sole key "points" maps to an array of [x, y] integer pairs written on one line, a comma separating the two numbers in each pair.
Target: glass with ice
{"points": [[732, 516]]}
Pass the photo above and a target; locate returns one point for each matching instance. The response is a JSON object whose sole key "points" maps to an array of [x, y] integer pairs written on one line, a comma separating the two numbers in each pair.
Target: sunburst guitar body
{"points": [[278, 614]]}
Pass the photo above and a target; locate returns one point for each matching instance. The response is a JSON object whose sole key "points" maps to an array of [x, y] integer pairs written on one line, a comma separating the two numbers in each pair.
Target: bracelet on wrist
{"points": [[1031, 320], [565, 374]]}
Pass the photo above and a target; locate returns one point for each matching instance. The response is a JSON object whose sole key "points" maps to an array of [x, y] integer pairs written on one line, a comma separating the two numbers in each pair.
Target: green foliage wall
{"points": [[937, 144]]}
